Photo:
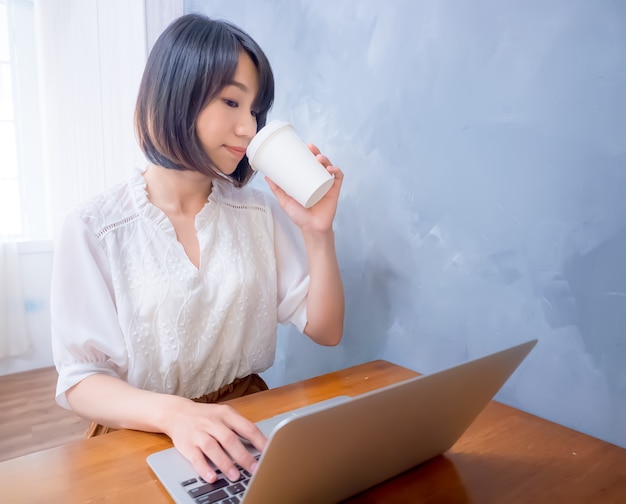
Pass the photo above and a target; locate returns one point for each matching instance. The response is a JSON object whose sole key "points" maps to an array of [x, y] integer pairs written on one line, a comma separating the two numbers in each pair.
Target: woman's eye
{"points": [[254, 113], [231, 103]]}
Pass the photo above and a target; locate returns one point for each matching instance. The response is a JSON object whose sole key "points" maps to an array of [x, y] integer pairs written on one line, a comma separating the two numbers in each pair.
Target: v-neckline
{"points": [[163, 222]]}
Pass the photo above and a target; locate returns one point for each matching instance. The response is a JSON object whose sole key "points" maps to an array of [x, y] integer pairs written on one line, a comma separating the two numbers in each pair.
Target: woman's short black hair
{"points": [[190, 63]]}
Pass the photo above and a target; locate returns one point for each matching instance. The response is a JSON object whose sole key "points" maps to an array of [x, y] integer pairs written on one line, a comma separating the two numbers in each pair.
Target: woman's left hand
{"points": [[318, 218]]}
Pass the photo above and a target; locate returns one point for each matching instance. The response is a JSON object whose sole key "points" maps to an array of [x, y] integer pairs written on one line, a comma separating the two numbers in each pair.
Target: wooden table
{"points": [[507, 456]]}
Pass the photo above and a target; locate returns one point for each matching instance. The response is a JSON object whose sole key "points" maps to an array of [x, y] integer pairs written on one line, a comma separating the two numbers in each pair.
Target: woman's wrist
{"points": [[319, 239], [166, 411]]}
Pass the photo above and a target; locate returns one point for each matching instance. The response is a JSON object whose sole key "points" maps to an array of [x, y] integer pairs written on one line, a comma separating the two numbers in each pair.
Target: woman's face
{"points": [[228, 123]]}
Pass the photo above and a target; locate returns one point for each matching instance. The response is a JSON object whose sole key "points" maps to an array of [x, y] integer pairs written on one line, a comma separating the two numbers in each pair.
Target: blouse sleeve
{"points": [[86, 336], [292, 269]]}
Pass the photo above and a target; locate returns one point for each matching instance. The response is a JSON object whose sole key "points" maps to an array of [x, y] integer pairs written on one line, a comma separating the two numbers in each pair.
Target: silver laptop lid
{"points": [[333, 453]]}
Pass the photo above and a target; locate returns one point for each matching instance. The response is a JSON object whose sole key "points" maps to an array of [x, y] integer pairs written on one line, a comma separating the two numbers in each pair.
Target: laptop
{"points": [[332, 450]]}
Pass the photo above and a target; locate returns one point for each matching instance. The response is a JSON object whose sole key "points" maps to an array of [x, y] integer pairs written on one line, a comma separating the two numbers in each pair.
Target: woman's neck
{"points": [[177, 191]]}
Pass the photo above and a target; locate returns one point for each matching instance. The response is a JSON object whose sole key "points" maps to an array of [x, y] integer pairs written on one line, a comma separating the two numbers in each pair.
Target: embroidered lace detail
{"points": [[117, 224], [244, 207], [165, 325]]}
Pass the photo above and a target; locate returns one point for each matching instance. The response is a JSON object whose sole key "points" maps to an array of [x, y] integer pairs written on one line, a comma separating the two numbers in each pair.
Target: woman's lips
{"points": [[237, 151]]}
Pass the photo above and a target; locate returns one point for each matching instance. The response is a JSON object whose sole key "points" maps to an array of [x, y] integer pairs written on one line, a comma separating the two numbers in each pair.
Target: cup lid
{"points": [[262, 135]]}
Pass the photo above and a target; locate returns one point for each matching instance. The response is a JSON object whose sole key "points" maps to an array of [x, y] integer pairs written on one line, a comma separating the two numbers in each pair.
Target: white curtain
{"points": [[15, 338], [91, 57], [92, 54], [16, 87]]}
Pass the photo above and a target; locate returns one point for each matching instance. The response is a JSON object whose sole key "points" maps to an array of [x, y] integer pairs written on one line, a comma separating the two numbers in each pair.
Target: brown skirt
{"points": [[238, 388]]}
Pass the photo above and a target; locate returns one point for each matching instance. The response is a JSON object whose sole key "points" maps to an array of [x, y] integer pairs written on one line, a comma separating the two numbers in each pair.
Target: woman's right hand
{"points": [[197, 430], [215, 431]]}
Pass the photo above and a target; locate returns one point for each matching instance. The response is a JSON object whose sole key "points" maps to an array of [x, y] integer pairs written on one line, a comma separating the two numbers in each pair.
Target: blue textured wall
{"points": [[484, 149]]}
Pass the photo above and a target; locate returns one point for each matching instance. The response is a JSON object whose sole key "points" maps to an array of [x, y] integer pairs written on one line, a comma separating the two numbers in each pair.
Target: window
{"points": [[22, 198], [9, 182]]}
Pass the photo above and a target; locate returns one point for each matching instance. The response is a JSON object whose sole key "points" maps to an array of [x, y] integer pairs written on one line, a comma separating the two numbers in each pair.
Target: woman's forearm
{"points": [[114, 403], [325, 303], [197, 430]]}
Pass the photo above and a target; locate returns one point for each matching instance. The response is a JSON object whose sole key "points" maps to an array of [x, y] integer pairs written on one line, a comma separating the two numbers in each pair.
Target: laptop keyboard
{"points": [[222, 490]]}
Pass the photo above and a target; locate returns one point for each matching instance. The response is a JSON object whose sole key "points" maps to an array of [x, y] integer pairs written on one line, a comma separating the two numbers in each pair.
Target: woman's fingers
{"points": [[218, 437], [319, 156], [199, 462], [283, 198], [228, 446], [218, 445], [313, 148], [248, 431]]}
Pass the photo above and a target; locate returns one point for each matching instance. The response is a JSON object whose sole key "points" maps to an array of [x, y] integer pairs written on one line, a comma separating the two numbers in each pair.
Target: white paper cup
{"points": [[278, 152]]}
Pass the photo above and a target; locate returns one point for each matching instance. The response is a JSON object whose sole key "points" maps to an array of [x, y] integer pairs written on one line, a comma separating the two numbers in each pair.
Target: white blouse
{"points": [[126, 300]]}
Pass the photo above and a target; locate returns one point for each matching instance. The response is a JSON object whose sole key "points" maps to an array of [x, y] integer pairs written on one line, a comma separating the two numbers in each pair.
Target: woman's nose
{"points": [[246, 126]]}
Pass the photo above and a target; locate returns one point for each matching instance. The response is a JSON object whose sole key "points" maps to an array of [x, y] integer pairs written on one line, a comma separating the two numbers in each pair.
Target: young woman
{"points": [[167, 290]]}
